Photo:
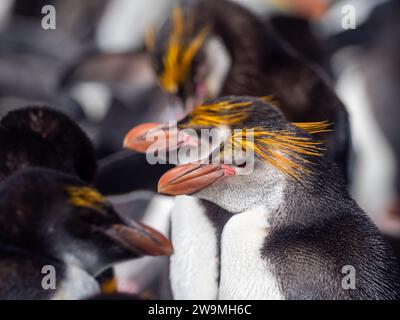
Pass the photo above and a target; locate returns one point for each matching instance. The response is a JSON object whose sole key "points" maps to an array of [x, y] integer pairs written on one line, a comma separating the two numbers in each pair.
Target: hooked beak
{"points": [[191, 178], [140, 239], [139, 138]]}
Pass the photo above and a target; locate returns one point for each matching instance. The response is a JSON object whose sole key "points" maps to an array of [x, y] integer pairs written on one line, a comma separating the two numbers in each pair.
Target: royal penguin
{"points": [[288, 227], [203, 226]]}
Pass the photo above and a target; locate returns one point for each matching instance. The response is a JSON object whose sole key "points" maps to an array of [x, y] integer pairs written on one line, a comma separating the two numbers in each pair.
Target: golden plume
{"points": [[179, 55], [85, 197], [226, 112], [313, 127], [283, 149], [231, 112]]}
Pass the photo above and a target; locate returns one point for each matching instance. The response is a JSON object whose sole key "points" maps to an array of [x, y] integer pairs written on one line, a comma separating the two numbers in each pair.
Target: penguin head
{"points": [[262, 155], [63, 138], [220, 115], [20, 150], [209, 125], [56, 215], [189, 61]]}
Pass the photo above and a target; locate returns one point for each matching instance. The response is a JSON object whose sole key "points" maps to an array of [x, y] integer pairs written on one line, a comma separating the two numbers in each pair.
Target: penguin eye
{"points": [[242, 165]]}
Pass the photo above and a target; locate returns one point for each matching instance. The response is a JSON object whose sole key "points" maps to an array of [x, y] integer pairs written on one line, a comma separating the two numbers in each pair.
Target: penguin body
{"points": [[196, 220], [293, 231]]}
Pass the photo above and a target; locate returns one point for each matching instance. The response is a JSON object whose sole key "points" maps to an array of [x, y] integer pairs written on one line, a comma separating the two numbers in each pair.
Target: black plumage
{"points": [[40, 136], [314, 231], [127, 171]]}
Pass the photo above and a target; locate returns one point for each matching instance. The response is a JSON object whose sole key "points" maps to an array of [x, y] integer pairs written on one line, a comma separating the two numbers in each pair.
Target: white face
{"points": [[243, 191]]}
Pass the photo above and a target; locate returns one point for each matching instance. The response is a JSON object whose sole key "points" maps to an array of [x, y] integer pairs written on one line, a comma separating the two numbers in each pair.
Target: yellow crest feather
{"points": [[313, 127], [228, 112], [85, 197]]}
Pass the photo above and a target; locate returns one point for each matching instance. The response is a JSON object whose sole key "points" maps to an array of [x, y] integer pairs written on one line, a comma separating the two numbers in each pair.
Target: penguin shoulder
{"points": [[311, 261]]}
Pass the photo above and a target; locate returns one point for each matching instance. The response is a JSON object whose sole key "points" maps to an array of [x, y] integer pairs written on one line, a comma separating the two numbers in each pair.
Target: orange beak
{"points": [[136, 137], [307, 8], [191, 178], [311, 8], [140, 238], [141, 137]]}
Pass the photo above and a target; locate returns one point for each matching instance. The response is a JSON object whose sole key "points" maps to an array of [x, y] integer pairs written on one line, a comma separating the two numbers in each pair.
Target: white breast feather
{"points": [[194, 264], [245, 275]]}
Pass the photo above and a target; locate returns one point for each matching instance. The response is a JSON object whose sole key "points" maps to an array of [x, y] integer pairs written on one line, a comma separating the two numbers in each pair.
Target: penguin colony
{"points": [[278, 225]]}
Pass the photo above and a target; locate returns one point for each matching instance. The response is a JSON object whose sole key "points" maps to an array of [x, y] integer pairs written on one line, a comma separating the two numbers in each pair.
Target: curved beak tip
{"points": [[135, 139], [156, 244], [140, 239], [168, 249]]}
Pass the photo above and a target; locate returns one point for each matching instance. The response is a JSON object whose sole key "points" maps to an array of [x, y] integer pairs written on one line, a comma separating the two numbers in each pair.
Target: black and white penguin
{"points": [[49, 218], [210, 49], [289, 229]]}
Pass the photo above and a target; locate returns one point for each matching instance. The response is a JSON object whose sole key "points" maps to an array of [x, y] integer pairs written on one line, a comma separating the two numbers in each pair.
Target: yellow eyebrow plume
{"points": [[281, 148], [179, 56], [227, 112], [85, 197], [190, 52]]}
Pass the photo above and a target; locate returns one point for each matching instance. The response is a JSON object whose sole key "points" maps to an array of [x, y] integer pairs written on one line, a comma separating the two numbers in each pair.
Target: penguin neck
{"points": [[249, 42], [314, 198], [243, 34]]}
